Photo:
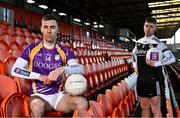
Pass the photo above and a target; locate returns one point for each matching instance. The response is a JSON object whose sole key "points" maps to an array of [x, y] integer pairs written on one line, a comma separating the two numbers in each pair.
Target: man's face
{"points": [[149, 28], [49, 30]]}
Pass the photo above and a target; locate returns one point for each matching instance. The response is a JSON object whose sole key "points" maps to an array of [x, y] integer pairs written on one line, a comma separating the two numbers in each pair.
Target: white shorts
{"points": [[52, 99]]}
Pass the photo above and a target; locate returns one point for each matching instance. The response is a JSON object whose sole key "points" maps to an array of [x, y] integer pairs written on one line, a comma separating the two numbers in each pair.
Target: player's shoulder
{"points": [[143, 38], [60, 46], [33, 45], [146, 40], [154, 38], [65, 49]]}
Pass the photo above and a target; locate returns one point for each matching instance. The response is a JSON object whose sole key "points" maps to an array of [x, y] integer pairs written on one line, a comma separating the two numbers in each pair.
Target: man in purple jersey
{"points": [[44, 63]]}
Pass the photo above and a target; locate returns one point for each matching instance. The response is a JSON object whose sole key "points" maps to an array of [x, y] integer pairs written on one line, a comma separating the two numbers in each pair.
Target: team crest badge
{"points": [[57, 57]]}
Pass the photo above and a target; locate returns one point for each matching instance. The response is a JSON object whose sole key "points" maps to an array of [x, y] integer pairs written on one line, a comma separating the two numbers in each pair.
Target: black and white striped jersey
{"points": [[145, 71]]}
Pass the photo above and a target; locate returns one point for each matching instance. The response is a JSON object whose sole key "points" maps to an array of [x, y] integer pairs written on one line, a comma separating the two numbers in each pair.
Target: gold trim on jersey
{"points": [[31, 56], [62, 54]]}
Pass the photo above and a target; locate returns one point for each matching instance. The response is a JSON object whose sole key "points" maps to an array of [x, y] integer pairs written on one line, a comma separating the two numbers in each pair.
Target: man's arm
{"points": [[134, 60], [168, 56], [19, 69]]}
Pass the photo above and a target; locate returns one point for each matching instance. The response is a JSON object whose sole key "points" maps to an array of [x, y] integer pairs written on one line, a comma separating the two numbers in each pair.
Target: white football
{"points": [[154, 54], [76, 84]]}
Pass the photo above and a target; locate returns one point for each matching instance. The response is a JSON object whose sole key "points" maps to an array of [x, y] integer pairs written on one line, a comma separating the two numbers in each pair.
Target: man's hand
{"points": [[150, 63], [44, 79], [53, 75]]}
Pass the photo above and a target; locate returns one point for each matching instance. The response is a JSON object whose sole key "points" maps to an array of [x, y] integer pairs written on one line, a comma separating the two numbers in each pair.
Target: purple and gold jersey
{"points": [[43, 61]]}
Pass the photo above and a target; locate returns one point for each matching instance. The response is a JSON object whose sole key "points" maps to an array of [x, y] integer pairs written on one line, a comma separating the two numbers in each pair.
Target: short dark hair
{"points": [[151, 20], [49, 17]]}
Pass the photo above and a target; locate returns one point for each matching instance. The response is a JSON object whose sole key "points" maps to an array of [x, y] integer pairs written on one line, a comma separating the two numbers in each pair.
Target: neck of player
{"points": [[49, 45]]}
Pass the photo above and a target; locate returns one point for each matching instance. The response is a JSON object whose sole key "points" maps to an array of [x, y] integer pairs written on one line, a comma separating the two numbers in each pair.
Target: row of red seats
{"points": [[90, 59], [116, 102], [99, 77], [5, 27], [8, 42]]}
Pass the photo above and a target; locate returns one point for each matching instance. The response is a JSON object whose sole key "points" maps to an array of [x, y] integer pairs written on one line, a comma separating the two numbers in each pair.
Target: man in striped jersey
{"points": [[150, 82]]}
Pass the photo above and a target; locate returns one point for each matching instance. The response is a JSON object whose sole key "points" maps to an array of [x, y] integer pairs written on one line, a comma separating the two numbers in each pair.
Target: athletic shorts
{"points": [[52, 99], [148, 89]]}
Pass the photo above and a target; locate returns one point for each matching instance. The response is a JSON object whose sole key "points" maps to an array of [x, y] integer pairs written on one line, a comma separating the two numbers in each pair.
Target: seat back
{"points": [[2, 69], [16, 53], [81, 113], [1, 113], [118, 111], [4, 55], [15, 105], [8, 65], [110, 94], [4, 45], [118, 93], [15, 46], [106, 104], [7, 86], [96, 109]]}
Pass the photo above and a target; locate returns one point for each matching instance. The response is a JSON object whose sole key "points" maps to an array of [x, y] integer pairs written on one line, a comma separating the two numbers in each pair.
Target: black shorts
{"points": [[148, 89]]}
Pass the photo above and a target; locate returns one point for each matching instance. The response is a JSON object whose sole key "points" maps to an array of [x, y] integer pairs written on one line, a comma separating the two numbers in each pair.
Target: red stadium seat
{"points": [[2, 69], [177, 112], [126, 106], [4, 55], [1, 113], [53, 114], [4, 26], [19, 39], [4, 45], [118, 93], [110, 94], [123, 88], [106, 104], [96, 109], [27, 34], [29, 40], [7, 86], [130, 102], [25, 30], [8, 65], [16, 53], [118, 111], [7, 38], [15, 105], [11, 31], [19, 32], [15, 46], [2, 31], [81, 113]]}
